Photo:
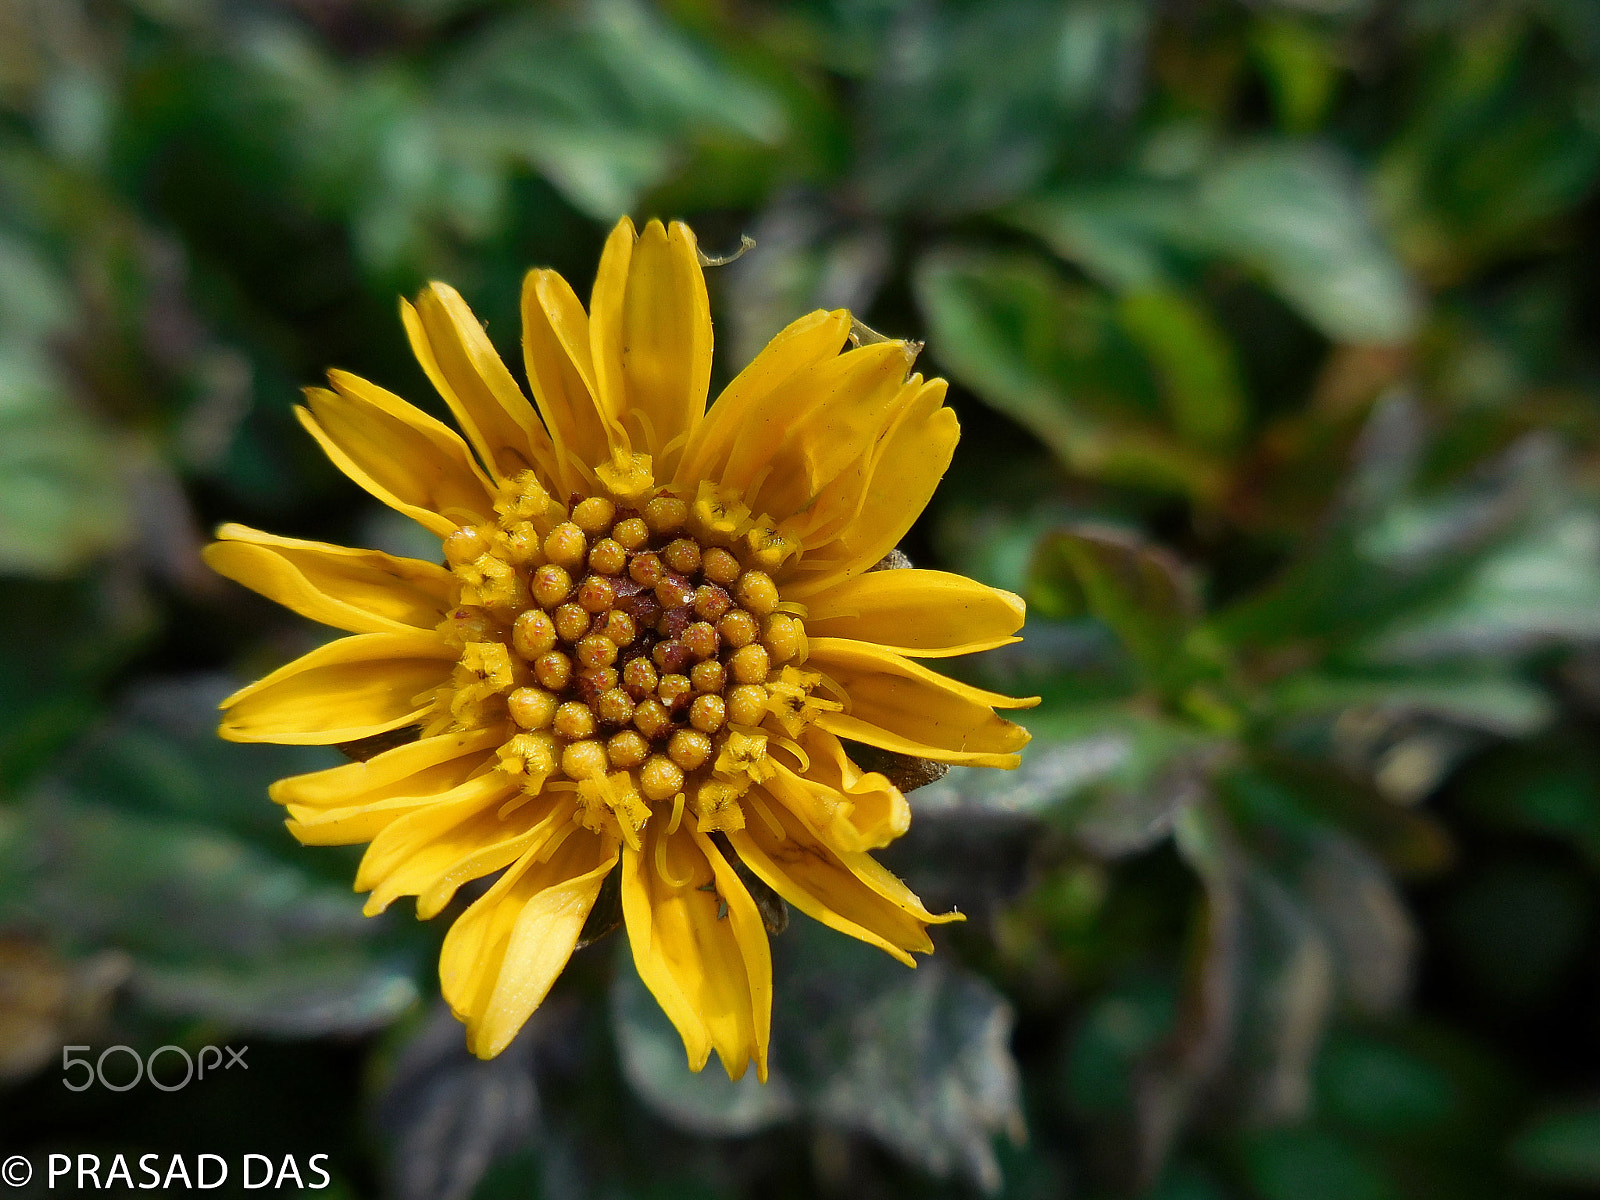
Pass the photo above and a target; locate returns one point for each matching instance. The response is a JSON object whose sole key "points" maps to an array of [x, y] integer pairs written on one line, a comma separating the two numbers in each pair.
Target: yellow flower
{"points": [[654, 626]]}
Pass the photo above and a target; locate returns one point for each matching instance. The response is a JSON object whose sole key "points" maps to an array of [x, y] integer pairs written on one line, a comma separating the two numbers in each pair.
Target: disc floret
{"points": [[631, 651]]}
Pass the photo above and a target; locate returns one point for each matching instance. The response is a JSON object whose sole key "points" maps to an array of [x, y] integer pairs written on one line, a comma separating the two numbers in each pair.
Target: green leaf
{"points": [[1115, 1035], [1370, 1084], [967, 108], [1116, 780], [64, 501], [1301, 67], [1496, 145], [1294, 213], [920, 1061], [1561, 1148], [1194, 361], [449, 1116], [1054, 359], [1497, 704], [654, 1063], [215, 929], [158, 753], [604, 105], [1358, 906], [1117, 232], [1297, 214], [1541, 588], [1141, 592], [1308, 1164], [1384, 577]]}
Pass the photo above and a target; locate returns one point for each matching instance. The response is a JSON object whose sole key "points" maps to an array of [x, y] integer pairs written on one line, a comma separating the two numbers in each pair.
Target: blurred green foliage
{"points": [[1273, 329]]}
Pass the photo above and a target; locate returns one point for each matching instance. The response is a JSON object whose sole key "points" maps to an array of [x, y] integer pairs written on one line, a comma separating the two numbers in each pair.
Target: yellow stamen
{"points": [[767, 819], [667, 877]]}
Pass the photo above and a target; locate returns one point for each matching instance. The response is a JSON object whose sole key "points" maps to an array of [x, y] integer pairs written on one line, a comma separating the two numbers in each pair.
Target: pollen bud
{"points": [[660, 778], [719, 566], [620, 627], [708, 713], [596, 650], [553, 670], [708, 677], [631, 534], [710, 602], [566, 546], [534, 633], [747, 704], [584, 760], [666, 514], [757, 592], [594, 515], [683, 556], [639, 677], [614, 706], [627, 749], [465, 545], [531, 708], [671, 657], [689, 748], [674, 592], [646, 570], [596, 594], [738, 628], [750, 664], [701, 640], [574, 720], [651, 718], [571, 622], [551, 583], [784, 639], [608, 557]]}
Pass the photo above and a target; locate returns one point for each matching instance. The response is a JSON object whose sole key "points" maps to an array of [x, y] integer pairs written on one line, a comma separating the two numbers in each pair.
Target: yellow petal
{"points": [[555, 350], [812, 340], [823, 885], [666, 342], [402, 456], [349, 689], [864, 810], [921, 614], [899, 705], [414, 851], [502, 955], [349, 804], [701, 950], [607, 304], [363, 591], [810, 426], [841, 491], [912, 460], [464, 366], [837, 436]]}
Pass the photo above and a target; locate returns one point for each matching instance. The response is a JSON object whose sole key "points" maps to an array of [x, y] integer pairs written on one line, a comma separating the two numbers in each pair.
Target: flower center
{"points": [[634, 654]]}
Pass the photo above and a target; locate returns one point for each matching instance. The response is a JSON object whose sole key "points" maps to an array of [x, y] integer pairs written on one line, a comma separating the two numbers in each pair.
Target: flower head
{"points": [[653, 626]]}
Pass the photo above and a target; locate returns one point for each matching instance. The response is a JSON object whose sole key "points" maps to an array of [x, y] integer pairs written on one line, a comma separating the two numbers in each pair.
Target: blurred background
{"points": [[1273, 330]]}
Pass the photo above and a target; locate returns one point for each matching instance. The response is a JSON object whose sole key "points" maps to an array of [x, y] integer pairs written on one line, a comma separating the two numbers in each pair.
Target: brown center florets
{"points": [[632, 654]]}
